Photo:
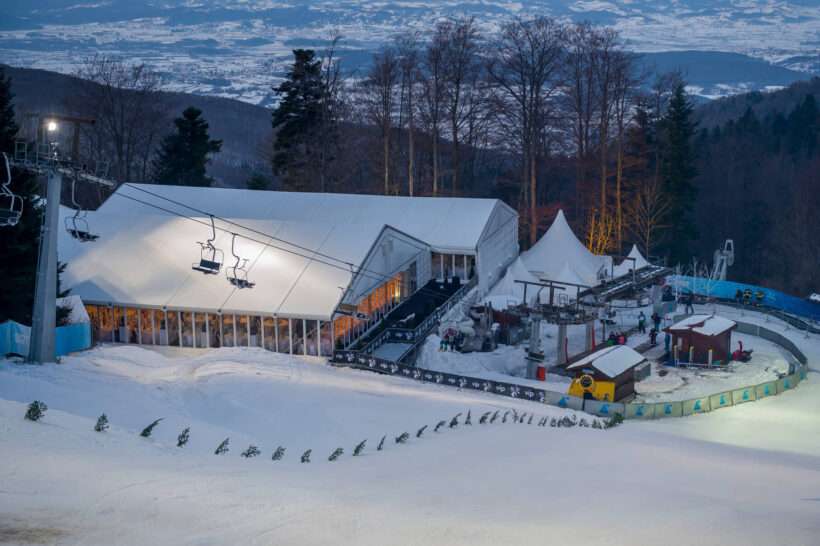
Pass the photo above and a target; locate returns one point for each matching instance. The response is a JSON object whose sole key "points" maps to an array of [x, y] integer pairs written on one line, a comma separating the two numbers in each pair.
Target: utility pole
{"points": [[44, 322]]}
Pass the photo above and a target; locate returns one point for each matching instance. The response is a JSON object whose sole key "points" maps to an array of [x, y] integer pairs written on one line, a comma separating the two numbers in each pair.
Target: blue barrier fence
{"points": [[728, 289], [14, 338]]}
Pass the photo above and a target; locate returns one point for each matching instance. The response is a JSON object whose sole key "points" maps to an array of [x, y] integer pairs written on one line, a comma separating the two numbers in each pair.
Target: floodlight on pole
{"points": [[52, 126]]}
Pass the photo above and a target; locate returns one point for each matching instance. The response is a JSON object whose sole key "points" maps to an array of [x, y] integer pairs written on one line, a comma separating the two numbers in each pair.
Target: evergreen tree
{"points": [[183, 156], [302, 124], [359, 448], [102, 423], [223, 448], [252, 451], [19, 245], [146, 432], [678, 173], [36, 410], [183, 437], [258, 181], [278, 454]]}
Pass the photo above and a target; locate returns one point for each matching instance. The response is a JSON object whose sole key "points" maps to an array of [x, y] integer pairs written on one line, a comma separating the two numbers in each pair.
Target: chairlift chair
{"points": [[11, 204], [210, 258], [238, 274], [77, 225]]}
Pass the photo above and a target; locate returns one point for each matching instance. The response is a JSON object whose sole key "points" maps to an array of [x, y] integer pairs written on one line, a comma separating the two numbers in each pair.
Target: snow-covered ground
{"points": [[746, 475], [769, 362]]}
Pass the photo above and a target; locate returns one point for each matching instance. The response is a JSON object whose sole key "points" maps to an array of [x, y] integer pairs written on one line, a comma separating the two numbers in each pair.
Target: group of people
{"points": [[451, 340], [745, 297], [656, 326]]}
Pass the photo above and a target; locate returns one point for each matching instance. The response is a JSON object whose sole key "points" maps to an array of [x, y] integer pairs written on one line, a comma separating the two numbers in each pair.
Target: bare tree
{"points": [[461, 64], [331, 108], [646, 212], [407, 49], [380, 97], [130, 116], [432, 104], [525, 73]]}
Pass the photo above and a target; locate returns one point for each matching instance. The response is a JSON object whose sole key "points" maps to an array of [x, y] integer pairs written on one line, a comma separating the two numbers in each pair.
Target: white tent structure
{"points": [[559, 247], [508, 292], [315, 259], [627, 265]]}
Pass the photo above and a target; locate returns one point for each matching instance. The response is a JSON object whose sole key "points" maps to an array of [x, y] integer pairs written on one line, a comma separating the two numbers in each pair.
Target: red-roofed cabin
{"points": [[703, 332]]}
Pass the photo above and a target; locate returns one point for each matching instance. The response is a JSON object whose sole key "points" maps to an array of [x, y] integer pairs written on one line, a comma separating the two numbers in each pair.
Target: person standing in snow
{"points": [[641, 322], [656, 320], [690, 300], [653, 337]]}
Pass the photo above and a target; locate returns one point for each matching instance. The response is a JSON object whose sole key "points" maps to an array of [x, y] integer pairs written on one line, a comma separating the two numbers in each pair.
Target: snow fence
{"points": [[650, 410], [14, 338]]}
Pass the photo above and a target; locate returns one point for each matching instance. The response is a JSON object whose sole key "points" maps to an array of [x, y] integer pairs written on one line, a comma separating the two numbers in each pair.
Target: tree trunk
{"points": [[411, 150], [386, 144], [533, 201], [435, 162]]}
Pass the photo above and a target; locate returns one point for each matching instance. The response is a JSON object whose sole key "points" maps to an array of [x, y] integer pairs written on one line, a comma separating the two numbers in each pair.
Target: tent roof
{"points": [[707, 325], [626, 266], [447, 224], [507, 289], [145, 259], [559, 246], [611, 361]]}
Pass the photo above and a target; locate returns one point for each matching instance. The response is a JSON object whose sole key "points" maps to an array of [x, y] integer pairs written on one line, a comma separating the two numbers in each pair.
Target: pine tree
{"points": [[530, 420], [439, 425], [184, 155], [359, 448], [258, 181], [278, 454], [302, 122], [469, 420], [679, 172], [420, 431], [223, 448], [483, 419], [36, 410], [146, 432], [19, 244], [454, 420], [494, 417], [252, 451], [183, 437], [102, 423], [336, 454], [381, 444], [306, 456], [402, 438]]}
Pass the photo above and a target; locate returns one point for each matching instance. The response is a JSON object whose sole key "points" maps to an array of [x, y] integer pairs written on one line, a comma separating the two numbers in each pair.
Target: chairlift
{"points": [[210, 257], [77, 225], [238, 274], [11, 204]]}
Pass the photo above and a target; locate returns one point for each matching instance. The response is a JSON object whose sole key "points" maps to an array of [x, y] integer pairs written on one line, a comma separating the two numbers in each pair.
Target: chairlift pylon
{"points": [[11, 204], [210, 257], [238, 274], [77, 225]]}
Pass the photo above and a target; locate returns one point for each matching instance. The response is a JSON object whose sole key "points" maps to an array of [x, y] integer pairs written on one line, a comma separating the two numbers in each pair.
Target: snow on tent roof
{"points": [[610, 361], [146, 260], [559, 246], [506, 289], [626, 266], [447, 224], [707, 325]]}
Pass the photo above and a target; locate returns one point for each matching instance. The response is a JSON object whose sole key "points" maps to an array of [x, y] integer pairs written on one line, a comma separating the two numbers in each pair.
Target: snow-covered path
{"points": [[746, 475]]}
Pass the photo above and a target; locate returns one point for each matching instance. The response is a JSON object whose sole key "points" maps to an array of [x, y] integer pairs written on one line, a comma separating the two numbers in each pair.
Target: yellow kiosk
{"points": [[607, 374]]}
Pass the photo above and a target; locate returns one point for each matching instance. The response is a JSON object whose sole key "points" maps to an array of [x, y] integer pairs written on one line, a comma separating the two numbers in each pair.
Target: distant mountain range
{"points": [[238, 48]]}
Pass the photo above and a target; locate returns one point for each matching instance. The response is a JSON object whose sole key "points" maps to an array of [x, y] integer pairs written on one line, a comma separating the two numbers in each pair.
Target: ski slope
{"points": [[746, 475]]}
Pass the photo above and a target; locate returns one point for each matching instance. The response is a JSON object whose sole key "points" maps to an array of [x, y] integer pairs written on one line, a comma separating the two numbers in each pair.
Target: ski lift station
{"points": [[297, 273]]}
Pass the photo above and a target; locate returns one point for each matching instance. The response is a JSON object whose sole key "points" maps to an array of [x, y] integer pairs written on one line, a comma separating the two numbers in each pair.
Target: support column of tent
{"points": [[561, 340], [589, 342]]}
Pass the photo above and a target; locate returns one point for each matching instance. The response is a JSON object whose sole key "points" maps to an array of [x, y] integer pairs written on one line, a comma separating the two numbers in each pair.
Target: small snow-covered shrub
{"points": [[223, 447], [306, 456], [381, 444], [468, 421], [359, 448], [146, 432], [36, 410], [483, 419], [596, 424], [567, 422], [420, 431], [529, 422], [183, 437], [583, 423], [439, 425], [278, 454], [336, 454], [553, 422], [616, 420], [495, 416], [252, 451], [454, 421], [102, 423], [504, 419], [402, 438]]}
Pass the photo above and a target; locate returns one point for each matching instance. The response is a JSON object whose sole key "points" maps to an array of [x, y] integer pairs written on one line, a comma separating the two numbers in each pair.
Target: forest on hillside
{"points": [[542, 114]]}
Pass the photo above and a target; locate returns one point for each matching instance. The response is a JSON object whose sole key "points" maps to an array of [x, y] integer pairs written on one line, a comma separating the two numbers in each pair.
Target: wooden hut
{"points": [[696, 335], [608, 374]]}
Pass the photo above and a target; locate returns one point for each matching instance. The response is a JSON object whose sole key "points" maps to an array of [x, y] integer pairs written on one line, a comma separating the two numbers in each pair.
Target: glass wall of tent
{"points": [[199, 329], [447, 266]]}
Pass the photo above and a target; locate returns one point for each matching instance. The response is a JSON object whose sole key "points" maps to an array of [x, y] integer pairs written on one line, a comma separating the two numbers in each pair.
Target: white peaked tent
{"points": [[559, 247], [570, 278], [507, 291], [627, 265]]}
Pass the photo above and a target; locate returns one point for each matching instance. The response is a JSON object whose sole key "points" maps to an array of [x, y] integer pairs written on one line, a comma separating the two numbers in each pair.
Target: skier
{"points": [[656, 320], [641, 322], [653, 337]]}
